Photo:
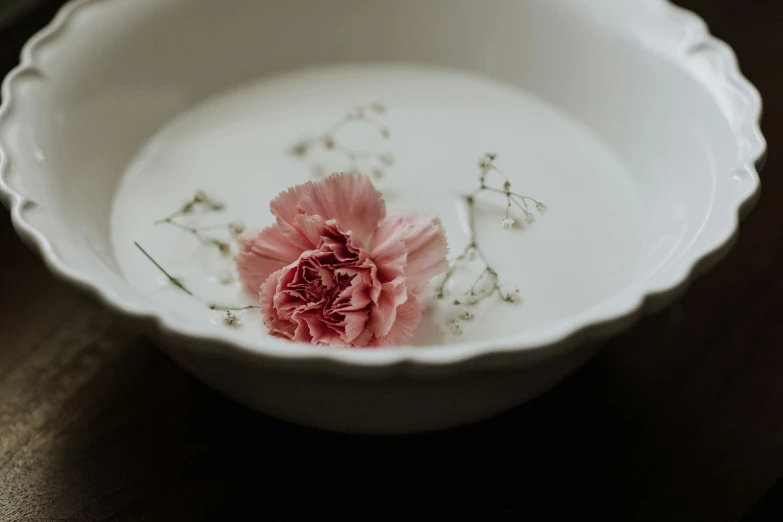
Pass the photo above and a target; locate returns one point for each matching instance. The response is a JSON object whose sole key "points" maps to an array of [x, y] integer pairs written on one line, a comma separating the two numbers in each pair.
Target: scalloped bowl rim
{"points": [[623, 306]]}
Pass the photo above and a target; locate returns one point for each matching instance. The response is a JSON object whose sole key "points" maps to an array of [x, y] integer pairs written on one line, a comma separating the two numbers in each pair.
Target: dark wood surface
{"points": [[680, 419]]}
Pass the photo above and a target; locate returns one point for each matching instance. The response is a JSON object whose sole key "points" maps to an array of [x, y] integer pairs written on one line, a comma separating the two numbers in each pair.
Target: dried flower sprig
{"points": [[486, 167], [230, 318], [479, 290], [375, 163], [488, 282], [202, 201]]}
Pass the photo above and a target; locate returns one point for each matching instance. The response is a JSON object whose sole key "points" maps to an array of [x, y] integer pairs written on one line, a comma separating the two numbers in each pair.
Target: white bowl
{"points": [[631, 122]]}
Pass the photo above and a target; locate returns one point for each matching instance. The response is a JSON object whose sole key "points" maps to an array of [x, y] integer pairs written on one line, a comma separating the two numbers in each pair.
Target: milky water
{"points": [[236, 146]]}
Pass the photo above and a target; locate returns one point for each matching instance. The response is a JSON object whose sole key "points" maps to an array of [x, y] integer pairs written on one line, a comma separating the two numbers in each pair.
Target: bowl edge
{"points": [[403, 359]]}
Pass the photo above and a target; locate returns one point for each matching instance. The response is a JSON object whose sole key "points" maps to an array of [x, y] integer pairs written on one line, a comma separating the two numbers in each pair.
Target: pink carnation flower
{"points": [[336, 270]]}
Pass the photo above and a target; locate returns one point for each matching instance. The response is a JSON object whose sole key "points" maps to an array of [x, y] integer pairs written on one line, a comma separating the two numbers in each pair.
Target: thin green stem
{"points": [[168, 218], [336, 127], [513, 194], [226, 226], [186, 228], [233, 309], [222, 246], [172, 280]]}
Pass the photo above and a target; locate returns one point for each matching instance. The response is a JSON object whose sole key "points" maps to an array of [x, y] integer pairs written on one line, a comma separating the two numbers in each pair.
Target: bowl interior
{"points": [[140, 104]]}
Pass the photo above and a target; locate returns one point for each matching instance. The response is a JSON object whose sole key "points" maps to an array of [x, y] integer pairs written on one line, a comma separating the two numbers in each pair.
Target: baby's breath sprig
{"points": [[375, 163], [205, 203], [231, 318], [488, 282], [200, 201], [486, 167]]}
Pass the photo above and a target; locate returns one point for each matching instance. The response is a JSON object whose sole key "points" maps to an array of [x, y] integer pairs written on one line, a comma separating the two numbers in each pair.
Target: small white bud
{"points": [[386, 159], [529, 218], [223, 247], [232, 319], [225, 277], [236, 228], [455, 327], [300, 149], [467, 315], [511, 296], [541, 208], [508, 224]]}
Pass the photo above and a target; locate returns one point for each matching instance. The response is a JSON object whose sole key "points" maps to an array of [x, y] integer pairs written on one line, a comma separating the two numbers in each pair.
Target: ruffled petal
{"points": [[355, 323], [384, 313], [285, 208], [312, 228], [261, 254], [349, 199], [266, 299], [364, 339], [390, 256], [425, 241], [408, 319]]}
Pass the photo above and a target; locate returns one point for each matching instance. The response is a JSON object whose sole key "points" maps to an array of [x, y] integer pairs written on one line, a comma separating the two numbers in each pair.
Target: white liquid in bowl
{"points": [[235, 147]]}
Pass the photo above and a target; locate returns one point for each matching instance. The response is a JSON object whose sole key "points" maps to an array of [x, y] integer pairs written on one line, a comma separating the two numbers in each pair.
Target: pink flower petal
{"points": [[312, 228], [364, 339], [407, 320], [355, 323], [390, 256], [425, 240], [311, 329], [384, 314], [349, 199], [285, 209], [266, 297], [261, 254]]}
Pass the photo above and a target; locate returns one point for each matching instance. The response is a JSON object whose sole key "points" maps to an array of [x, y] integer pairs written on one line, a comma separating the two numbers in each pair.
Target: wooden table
{"points": [[680, 419]]}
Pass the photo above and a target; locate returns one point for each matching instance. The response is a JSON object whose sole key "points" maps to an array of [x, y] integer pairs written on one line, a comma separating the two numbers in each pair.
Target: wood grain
{"points": [[680, 419]]}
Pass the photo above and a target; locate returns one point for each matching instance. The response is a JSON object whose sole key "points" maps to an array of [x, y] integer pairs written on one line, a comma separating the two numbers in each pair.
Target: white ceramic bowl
{"points": [[633, 124]]}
